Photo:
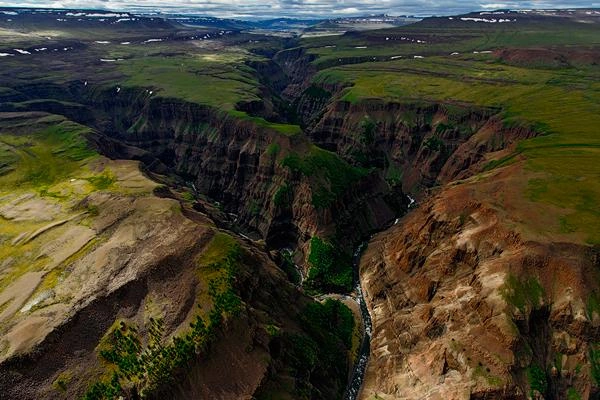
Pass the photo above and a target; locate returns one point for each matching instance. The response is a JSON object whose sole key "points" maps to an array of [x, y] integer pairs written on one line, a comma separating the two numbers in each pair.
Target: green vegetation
{"points": [[146, 366], [443, 40], [44, 157], [594, 356], [573, 394], [434, 143], [330, 316], [522, 294], [492, 380], [283, 195], [593, 305], [330, 175], [103, 181], [287, 265], [323, 351], [273, 149], [330, 268], [537, 379], [196, 78], [367, 134], [62, 381], [286, 129]]}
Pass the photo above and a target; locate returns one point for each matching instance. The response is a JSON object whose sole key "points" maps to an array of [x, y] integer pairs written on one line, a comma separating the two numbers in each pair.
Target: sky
{"points": [[305, 8]]}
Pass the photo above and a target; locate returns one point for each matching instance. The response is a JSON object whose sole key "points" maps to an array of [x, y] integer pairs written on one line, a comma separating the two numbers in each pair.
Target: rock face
{"points": [[242, 165], [417, 145], [465, 306]]}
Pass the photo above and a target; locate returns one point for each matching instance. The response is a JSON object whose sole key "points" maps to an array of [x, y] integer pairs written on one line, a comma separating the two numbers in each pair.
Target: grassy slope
{"points": [[50, 168], [445, 40], [217, 78], [562, 167]]}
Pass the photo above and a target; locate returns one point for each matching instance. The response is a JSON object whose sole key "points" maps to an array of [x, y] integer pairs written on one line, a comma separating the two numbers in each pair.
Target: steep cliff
{"points": [[467, 302]]}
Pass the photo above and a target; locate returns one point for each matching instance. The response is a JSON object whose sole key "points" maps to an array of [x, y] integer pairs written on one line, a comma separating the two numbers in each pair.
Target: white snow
{"points": [[360, 47], [20, 51], [6, 55], [455, 54], [490, 21], [418, 57], [108, 60], [41, 49], [395, 57], [152, 40], [96, 15], [9, 12], [102, 42], [118, 89]]}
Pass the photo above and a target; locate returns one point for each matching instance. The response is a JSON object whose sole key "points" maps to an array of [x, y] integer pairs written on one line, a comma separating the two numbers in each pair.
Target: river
{"points": [[360, 366]]}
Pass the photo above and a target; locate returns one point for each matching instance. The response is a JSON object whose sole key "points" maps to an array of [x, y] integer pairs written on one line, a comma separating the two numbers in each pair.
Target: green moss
{"points": [[522, 293], [45, 157], [593, 305], [286, 129], [573, 394], [188, 196], [287, 265], [594, 357], [367, 134], [330, 176], [273, 149], [434, 143], [103, 181], [330, 268], [537, 379], [283, 195], [483, 372]]}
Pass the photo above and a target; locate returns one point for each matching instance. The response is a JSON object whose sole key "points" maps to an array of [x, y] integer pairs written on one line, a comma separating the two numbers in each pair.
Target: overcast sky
{"points": [[306, 8]]}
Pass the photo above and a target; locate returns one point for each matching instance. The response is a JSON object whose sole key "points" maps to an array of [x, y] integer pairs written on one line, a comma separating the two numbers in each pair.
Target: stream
{"points": [[360, 366]]}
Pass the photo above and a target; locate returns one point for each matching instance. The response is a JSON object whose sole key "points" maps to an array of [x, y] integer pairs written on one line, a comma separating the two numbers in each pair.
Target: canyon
{"points": [[475, 289]]}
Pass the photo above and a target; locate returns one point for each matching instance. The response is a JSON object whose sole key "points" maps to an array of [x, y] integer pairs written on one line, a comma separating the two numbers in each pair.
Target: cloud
{"points": [[302, 8]]}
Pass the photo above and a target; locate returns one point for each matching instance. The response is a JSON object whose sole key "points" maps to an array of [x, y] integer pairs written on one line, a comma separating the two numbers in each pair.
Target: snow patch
{"points": [[20, 51], [102, 41], [490, 21]]}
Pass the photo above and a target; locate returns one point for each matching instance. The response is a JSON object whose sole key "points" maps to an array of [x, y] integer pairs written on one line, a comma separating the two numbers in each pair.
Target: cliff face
{"points": [[417, 145], [242, 165], [467, 305]]}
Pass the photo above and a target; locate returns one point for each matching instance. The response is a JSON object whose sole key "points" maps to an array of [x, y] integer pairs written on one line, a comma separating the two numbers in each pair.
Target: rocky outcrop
{"points": [[466, 307]]}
